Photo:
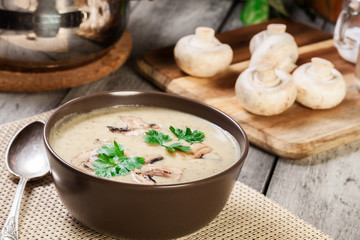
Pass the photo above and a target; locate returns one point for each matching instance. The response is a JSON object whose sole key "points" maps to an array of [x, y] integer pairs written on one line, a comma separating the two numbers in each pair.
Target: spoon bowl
{"points": [[26, 159], [26, 156]]}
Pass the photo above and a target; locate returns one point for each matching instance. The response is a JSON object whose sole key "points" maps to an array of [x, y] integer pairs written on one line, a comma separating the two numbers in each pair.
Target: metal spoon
{"points": [[26, 159]]}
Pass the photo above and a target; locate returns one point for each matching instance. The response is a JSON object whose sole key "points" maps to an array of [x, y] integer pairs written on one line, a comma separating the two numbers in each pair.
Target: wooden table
{"points": [[323, 189]]}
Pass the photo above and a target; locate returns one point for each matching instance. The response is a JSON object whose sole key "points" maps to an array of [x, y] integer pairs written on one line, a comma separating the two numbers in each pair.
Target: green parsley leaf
{"points": [[178, 146], [188, 135], [111, 150], [102, 172], [111, 161], [154, 137]]}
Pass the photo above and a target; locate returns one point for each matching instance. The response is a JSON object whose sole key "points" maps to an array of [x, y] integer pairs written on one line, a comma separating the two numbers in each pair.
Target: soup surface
{"points": [[203, 149]]}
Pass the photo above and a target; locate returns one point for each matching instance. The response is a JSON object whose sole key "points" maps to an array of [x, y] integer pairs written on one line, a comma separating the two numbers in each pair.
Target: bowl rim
{"points": [[240, 161]]}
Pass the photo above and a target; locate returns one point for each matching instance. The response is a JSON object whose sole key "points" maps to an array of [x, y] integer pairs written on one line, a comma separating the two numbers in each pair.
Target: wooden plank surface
{"points": [[323, 189], [15, 106], [338, 191]]}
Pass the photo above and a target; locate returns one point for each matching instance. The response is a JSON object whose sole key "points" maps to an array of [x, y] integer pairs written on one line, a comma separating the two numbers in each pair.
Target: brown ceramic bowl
{"points": [[143, 211]]}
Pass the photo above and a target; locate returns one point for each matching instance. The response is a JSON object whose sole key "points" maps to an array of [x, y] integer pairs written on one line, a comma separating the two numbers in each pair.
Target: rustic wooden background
{"points": [[324, 189]]}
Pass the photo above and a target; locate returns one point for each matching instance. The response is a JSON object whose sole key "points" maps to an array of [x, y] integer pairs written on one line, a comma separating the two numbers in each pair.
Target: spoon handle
{"points": [[10, 229]]}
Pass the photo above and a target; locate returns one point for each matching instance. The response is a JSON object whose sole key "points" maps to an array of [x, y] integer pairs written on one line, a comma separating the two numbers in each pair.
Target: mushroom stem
{"points": [[265, 76], [321, 68], [205, 34], [276, 28]]}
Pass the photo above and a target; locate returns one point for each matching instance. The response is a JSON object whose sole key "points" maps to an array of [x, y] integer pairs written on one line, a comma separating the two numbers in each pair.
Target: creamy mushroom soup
{"points": [[145, 145]]}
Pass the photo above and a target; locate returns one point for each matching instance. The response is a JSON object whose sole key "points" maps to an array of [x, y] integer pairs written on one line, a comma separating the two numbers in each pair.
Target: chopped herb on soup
{"points": [[154, 137], [112, 162], [188, 135]]}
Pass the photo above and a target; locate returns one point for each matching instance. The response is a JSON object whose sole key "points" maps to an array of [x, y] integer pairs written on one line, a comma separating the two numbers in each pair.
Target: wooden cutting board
{"points": [[296, 133]]}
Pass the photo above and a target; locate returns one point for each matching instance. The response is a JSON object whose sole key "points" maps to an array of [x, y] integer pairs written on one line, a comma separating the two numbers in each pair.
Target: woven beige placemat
{"points": [[247, 215]]}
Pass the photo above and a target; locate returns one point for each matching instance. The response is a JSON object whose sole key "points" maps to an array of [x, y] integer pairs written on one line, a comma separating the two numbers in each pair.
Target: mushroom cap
{"points": [[319, 84], [259, 96], [276, 46], [201, 54], [258, 38]]}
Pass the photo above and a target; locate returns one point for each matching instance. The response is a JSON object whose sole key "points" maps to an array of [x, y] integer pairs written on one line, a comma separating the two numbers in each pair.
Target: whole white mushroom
{"points": [[264, 90], [201, 54], [275, 46], [319, 84]]}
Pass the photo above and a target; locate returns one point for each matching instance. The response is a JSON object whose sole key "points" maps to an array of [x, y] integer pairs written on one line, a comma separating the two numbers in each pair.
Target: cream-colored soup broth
{"points": [[76, 139]]}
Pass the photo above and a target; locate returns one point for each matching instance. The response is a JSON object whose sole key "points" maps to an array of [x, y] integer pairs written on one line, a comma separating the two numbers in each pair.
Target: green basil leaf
{"points": [[255, 11]]}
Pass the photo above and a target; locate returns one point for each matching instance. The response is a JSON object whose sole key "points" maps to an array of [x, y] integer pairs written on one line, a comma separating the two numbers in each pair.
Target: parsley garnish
{"points": [[154, 137], [178, 146], [188, 135], [111, 161]]}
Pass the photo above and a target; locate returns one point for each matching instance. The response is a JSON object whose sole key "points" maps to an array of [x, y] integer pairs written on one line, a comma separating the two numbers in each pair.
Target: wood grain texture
{"points": [[298, 132], [13, 81], [159, 24], [124, 78], [15, 106], [323, 189]]}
